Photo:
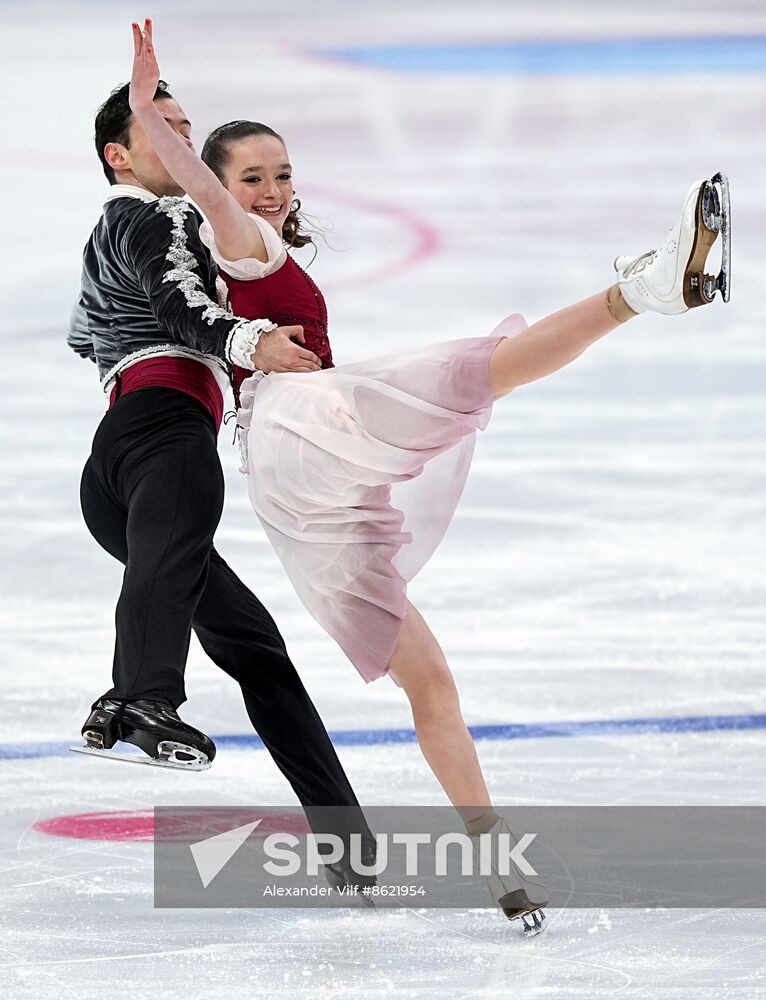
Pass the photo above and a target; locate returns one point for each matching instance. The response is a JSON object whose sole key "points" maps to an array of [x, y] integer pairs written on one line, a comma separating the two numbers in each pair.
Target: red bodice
{"points": [[288, 297]]}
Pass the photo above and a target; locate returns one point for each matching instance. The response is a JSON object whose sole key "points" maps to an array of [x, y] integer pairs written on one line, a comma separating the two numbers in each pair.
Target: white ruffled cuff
{"points": [[243, 341]]}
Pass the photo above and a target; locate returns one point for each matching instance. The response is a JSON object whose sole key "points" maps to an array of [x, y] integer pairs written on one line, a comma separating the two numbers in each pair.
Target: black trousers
{"points": [[152, 494]]}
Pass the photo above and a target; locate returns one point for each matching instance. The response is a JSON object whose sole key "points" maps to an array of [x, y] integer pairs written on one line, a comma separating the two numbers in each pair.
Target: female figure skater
{"points": [[355, 471]]}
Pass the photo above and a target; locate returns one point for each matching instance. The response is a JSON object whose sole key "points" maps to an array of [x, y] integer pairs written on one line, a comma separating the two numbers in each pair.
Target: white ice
{"points": [[607, 560]]}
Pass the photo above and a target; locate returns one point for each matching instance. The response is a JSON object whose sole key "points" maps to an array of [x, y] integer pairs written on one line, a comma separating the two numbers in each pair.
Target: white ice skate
{"points": [[672, 279], [518, 895]]}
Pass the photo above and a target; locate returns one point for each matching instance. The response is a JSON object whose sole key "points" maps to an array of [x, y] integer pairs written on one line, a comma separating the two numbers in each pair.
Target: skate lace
{"points": [[231, 414], [640, 263]]}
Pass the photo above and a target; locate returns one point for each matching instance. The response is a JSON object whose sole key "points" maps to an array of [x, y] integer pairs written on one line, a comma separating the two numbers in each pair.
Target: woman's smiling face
{"points": [[259, 176]]}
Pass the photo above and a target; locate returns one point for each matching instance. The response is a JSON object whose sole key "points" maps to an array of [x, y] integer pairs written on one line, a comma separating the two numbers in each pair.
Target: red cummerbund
{"points": [[184, 374]]}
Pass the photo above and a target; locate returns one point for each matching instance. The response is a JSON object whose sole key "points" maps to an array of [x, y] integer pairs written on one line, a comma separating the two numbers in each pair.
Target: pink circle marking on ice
{"points": [[138, 824], [425, 238]]}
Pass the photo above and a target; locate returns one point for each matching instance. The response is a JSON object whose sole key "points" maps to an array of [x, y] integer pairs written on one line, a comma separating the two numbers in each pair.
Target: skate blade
{"points": [[534, 922], [199, 763], [720, 182], [712, 218]]}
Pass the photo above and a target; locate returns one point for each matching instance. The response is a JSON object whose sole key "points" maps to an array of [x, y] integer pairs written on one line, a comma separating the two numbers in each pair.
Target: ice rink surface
{"points": [[606, 564]]}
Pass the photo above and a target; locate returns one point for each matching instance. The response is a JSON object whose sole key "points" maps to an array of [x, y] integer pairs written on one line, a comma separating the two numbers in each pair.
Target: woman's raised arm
{"points": [[236, 235]]}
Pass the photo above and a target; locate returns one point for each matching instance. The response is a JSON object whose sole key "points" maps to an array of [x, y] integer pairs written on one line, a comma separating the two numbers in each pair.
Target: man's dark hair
{"points": [[113, 120]]}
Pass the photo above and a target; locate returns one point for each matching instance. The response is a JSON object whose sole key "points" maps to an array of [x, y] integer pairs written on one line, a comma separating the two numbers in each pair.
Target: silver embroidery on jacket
{"points": [[184, 270], [244, 336]]}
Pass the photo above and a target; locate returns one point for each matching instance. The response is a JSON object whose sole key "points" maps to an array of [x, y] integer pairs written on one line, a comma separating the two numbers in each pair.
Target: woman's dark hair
{"points": [[113, 120], [215, 153]]}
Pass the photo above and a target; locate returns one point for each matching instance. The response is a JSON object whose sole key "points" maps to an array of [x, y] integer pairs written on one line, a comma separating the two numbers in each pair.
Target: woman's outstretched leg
{"points": [[552, 343], [419, 665], [670, 280]]}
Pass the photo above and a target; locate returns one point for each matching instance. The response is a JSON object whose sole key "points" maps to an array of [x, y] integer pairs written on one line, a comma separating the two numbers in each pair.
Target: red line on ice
{"points": [[138, 824], [426, 238]]}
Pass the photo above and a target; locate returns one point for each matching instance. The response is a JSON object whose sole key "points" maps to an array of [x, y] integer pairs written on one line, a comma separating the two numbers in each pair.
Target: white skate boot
{"points": [[518, 895], [672, 279]]}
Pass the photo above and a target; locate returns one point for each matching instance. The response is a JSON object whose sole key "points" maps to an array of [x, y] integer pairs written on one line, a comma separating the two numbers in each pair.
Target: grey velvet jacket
{"points": [[148, 286]]}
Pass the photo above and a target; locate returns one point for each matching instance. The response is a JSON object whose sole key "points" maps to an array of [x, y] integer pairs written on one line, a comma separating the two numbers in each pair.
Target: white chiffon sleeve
{"points": [[249, 268]]}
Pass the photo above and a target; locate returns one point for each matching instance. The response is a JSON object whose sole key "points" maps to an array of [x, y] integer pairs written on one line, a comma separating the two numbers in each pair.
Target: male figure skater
{"points": [[152, 489]]}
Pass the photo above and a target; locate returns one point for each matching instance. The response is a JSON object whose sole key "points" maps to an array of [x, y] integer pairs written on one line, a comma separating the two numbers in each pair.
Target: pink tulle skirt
{"points": [[355, 473]]}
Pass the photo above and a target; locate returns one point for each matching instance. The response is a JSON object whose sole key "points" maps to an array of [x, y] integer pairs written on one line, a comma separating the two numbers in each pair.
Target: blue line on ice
{"points": [[513, 731], [611, 56]]}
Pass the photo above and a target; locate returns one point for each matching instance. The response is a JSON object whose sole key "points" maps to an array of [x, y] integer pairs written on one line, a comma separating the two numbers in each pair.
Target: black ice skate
{"points": [[154, 727], [350, 883]]}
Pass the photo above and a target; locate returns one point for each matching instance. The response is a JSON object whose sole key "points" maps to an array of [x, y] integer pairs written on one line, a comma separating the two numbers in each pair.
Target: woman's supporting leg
{"points": [[555, 341], [419, 665], [418, 662]]}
